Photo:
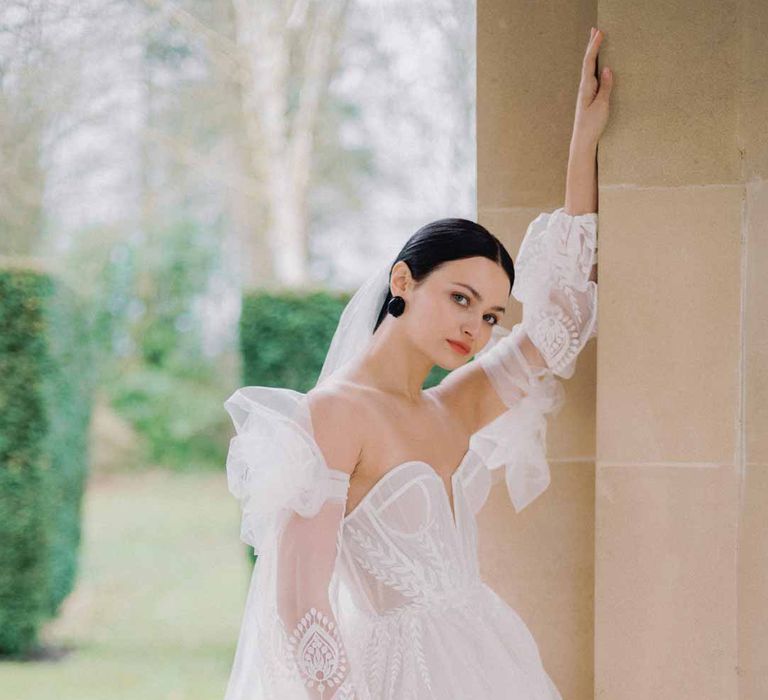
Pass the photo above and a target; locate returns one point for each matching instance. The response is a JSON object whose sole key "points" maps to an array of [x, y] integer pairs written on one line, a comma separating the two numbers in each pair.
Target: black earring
{"points": [[396, 306]]}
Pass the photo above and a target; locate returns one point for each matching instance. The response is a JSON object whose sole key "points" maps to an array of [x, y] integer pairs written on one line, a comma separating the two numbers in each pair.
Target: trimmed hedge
{"points": [[47, 371], [284, 338]]}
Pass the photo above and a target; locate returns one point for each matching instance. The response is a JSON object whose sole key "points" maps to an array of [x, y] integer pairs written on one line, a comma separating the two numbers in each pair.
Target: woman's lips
{"points": [[458, 348]]}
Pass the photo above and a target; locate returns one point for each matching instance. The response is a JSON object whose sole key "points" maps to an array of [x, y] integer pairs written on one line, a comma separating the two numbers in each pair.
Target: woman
{"points": [[360, 496]]}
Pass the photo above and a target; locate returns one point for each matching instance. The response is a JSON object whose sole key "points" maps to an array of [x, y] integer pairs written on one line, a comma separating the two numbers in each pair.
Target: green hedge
{"points": [[47, 372], [284, 338]]}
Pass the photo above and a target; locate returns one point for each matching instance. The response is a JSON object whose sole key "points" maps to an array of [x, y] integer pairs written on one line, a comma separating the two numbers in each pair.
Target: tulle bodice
{"points": [[401, 545]]}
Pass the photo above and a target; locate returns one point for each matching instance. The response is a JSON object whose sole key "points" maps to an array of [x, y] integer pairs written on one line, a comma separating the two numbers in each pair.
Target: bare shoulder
{"points": [[336, 421]]}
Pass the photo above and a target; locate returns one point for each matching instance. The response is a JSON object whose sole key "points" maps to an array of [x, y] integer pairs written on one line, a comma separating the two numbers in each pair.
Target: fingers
{"points": [[590, 56], [606, 83]]}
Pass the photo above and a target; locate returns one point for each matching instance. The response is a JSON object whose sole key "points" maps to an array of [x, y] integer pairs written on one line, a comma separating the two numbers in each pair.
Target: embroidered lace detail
{"points": [[552, 281], [383, 674], [402, 628], [408, 577], [413, 577], [319, 652], [555, 334], [345, 692]]}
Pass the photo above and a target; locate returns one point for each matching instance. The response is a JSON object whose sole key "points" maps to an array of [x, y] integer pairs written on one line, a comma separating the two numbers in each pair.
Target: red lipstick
{"points": [[459, 347]]}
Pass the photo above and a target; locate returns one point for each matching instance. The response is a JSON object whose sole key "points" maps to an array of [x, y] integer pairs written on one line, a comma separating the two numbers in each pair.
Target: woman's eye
{"points": [[464, 297]]}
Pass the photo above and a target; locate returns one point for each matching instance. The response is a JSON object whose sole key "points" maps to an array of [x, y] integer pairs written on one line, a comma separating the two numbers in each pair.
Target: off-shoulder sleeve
{"points": [[559, 317], [290, 643]]}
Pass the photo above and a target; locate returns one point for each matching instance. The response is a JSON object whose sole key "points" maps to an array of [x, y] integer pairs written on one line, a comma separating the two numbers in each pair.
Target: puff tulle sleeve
{"points": [[290, 645], [552, 271]]}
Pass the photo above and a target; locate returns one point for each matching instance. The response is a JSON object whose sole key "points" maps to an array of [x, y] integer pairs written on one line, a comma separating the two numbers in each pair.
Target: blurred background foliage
{"points": [[46, 361], [190, 191]]}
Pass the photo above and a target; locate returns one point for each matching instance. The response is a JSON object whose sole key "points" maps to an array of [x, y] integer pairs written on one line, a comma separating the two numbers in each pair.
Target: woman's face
{"points": [[459, 301]]}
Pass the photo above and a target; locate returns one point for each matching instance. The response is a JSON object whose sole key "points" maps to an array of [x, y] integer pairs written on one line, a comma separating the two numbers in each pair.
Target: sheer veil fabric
{"points": [[387, 602], [355, 328]]}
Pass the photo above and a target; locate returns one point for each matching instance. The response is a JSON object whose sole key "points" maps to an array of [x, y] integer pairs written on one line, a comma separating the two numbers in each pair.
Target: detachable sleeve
{"points": [[290, 644], [559, 301], [552, 282]]}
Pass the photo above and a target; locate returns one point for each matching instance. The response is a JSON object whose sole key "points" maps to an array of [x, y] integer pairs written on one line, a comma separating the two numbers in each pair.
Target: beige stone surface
{"points": [[669, 345], [529, 58], [676, 99], [541, 562], [753, 533], [656, 585], [666, 590], [753, 584], [756, 325], [754, 89]]}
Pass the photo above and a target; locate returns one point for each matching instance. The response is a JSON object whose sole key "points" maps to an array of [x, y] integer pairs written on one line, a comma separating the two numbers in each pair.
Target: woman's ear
{"points": [[401, 279]]}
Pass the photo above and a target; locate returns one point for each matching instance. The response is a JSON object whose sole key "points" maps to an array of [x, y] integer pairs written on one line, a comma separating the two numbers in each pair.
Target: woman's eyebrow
{"points": [[478, 296]]}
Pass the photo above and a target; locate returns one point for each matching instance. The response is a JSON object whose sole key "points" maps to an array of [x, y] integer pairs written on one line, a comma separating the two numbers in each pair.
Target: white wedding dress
{"points": [[388, 603]]}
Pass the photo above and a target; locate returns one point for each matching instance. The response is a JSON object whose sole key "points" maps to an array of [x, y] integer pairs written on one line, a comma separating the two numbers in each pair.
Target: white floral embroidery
{"points": [[555, 333], [319, 652]]}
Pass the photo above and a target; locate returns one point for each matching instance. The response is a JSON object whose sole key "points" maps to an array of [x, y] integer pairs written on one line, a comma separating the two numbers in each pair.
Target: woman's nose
{"points": [[472, 329]]}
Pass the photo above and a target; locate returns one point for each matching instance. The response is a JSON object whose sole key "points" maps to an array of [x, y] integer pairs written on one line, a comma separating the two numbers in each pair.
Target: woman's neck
{"points": [[392, 364]]}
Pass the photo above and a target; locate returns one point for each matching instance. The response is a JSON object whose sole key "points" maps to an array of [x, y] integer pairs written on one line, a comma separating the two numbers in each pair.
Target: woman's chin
{"points": [[453, 361]]}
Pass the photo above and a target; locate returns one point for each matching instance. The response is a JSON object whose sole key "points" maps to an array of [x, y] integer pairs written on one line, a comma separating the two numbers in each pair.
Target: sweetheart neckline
{"points": [[397, 467]]}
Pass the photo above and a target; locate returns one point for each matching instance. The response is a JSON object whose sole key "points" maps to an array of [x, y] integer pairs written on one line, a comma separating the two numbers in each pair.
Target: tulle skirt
{"points": [[475, 648]]}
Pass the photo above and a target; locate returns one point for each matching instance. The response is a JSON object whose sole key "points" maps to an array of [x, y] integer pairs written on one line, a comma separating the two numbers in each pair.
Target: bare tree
{"points": [[285, 57], [25, 61], [288, 52]]}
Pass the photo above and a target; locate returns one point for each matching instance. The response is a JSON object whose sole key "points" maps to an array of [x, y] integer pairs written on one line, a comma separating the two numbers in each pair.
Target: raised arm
{"points": [[556, 274], [591, 116], [553, 282]]}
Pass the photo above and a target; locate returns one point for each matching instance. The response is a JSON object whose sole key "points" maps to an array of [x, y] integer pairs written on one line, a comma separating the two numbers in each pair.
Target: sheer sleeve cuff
{"points": [[517, 439], [552, 282]]}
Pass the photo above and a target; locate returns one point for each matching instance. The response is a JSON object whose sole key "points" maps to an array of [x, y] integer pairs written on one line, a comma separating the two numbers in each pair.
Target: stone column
{"points": [[752, 591], [542, 559], [680, 594], [670, 530]]}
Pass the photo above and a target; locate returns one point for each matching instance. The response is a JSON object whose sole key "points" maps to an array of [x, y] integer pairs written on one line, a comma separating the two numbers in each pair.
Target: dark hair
{"points": [[441, 241]]}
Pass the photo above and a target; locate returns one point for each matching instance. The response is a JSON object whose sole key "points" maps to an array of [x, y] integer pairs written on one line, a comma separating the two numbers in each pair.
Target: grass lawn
{"points": [[156, 610]]}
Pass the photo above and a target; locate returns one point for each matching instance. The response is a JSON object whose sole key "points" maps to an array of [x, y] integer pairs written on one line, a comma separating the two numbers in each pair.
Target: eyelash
{"points": [[464, 296]]}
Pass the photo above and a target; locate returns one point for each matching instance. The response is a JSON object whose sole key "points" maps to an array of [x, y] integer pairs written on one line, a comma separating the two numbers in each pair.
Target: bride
{"points": [[360, 496]]}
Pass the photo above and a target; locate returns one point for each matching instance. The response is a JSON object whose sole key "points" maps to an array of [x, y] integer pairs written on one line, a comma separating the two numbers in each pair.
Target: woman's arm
{"points": [[589, 121], [469, 390], [559, 302], [581, 180], [581, 184]]}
